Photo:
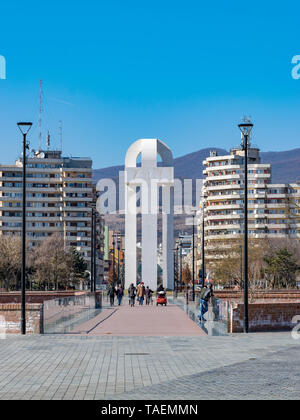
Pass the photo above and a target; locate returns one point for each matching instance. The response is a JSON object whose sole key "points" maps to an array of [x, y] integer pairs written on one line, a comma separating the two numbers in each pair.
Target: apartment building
{"points": [[58, 192], [273, 210]]}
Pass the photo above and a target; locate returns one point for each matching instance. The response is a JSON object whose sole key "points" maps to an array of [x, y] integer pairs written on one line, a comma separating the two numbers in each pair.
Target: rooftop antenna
{"points": [[40, 115], [60, 134], [48, 140]]}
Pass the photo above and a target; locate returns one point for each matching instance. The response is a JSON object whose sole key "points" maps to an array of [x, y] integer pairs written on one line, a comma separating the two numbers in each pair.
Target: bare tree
{"points": [[186, 275], [228, 264], [52, 264], [10, 261], [112, 278]]}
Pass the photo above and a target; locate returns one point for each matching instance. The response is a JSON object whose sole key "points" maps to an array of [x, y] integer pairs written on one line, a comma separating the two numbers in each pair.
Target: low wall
{"points": [[260, 295], [11, 313], [263, 316], [39, 296], [46, 310]]}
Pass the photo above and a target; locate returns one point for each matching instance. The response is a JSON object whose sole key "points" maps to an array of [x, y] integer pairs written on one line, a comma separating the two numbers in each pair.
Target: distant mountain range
{"points": [[285, 165]]}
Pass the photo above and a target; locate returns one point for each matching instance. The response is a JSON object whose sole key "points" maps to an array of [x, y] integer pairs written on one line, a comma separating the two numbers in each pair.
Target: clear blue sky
{"points": [[183, 71]]}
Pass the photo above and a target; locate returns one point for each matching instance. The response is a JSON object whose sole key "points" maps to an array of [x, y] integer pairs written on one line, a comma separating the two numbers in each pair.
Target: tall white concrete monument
{"points": [[149, 178]]}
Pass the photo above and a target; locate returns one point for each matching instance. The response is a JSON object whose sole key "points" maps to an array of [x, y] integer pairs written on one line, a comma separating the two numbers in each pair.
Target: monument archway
{"points": [[150, 178]]}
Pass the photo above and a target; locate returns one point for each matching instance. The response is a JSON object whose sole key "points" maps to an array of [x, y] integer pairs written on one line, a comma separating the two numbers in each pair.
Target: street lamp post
{"points": [[241, 248], [93, 247], [113, 259], [94, 215], [193, 258], [122, 268], [24, 128], [176, 273], [118, 260], [92, 251], [180, 256], [203, 241], [245, 127], [118, 239]]}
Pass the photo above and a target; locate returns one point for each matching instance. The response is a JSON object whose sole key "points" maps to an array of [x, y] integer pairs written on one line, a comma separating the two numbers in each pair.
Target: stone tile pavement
{"points": [[275, 376], [111, 367]]}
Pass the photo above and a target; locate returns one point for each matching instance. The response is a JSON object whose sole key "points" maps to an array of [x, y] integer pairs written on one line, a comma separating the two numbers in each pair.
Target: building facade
{"points": [[59, 190], [115, 254], [273, 209]]}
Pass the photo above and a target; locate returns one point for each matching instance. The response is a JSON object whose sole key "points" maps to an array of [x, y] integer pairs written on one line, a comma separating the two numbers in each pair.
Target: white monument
{"points": [[150, 178]]}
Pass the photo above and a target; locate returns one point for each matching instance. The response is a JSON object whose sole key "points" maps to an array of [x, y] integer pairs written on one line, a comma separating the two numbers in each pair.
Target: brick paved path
{"points": [[102, 367], [274, 377], [141, 321]]}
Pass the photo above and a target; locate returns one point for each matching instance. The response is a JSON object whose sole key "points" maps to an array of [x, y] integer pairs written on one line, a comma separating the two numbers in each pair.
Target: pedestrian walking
{"points": [[111, 294], [131, 294], [205, 296], [137, 288], [120, 294], [141, 292], [148, 294]]}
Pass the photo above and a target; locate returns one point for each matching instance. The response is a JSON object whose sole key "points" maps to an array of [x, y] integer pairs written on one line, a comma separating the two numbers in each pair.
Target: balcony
{"points": [[223, 177], [284, 196], [222, 187], [78, 229], [224, 207], [275, 205], [256, 206], [10, 229], [75, 208], [11, 179], [222, 237], [76, 189], [225, 197], [76, 218], [224, 217], [225, 226], [44, 229], [77, 199], [80, 180]]}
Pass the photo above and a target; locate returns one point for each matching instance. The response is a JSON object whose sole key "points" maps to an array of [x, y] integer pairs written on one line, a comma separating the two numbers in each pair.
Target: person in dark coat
{"points": [[120, 294], [160, 288], [111, 294], [148, 295], [132, 294]]}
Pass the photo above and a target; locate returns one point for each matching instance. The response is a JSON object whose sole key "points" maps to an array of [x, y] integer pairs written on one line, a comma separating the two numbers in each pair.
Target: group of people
{"points": [[140, 293], [115, 291]]}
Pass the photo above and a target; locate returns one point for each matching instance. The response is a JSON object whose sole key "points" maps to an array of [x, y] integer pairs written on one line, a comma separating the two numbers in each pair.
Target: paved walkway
{"points": [[111, 367], [143, 320], [275, 376]]}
